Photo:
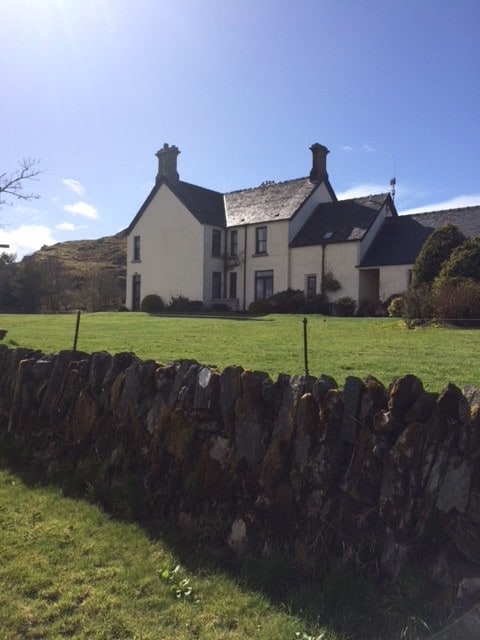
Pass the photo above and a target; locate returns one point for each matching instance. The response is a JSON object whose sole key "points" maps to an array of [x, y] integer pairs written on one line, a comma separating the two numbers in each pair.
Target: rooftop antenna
{"points": [[393, 182]]}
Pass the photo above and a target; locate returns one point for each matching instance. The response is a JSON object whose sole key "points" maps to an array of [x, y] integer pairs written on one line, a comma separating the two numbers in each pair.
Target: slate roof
{"points": [[206, 205], [340, 221], [400, 239], [268, 202]]}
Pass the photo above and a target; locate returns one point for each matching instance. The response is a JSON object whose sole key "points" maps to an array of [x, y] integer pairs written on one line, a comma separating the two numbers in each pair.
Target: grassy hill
{"points": [[79, 265], [79, 256]]}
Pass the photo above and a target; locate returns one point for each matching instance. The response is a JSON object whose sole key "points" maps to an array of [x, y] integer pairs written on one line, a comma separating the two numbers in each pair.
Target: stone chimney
{"points": [[319, 163], [167, 163]]}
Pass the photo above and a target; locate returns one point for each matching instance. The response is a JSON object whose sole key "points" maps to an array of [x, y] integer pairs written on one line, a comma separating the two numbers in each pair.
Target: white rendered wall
{"points": [[172, 248]]}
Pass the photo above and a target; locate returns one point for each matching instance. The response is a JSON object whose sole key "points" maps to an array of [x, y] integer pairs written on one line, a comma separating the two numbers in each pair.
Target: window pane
{"points": [[216, 242], [233, 242], [261, 240], [263, 284], [136, 247], [216, 284]]}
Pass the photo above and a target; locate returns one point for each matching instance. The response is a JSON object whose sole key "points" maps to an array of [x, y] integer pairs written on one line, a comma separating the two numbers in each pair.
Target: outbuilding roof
{"points": [[400, 239], [340, 221]]}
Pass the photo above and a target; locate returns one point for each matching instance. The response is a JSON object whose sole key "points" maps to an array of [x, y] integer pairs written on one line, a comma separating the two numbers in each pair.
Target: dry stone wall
{"points": [[385, 476]]}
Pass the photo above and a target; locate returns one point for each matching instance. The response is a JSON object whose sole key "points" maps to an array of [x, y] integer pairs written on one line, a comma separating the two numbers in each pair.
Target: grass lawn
{"points": [[68, 571], [338, 347]]}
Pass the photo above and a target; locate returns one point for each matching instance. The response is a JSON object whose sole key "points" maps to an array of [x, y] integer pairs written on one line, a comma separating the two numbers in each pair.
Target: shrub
{"points": [[260, 308], [435, 251], [456, 298], [182, 304], [288, 301], [417, 305], [318, 304], [464, 262], [152, 304], [329, 283], [395, 307], [219, 306], [345, 307], [368, 308]]}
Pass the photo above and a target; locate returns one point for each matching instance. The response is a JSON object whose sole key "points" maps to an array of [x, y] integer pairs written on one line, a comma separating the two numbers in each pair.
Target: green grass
{"points": [[338, 347], [68, 571]]}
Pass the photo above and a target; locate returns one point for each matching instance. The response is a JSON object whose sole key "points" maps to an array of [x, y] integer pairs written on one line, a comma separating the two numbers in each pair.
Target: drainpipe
{"points": [[322, 284], [245, 268], [225, 259]]}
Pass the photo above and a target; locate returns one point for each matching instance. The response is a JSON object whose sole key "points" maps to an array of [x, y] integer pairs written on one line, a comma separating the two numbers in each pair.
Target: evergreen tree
{"points": [[434, 253]]}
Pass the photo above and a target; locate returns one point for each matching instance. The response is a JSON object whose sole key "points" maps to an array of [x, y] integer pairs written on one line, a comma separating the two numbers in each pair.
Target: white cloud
{"points": [[454, 203], [366, 148], [26, 239], [362, 190], [81, 208], [66, 226], [74, 185]]}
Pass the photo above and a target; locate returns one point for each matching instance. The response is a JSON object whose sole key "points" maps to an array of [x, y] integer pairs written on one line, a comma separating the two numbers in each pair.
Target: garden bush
{"points": [[182, 304], [395, 307], [318, 304], [463, 262], [417, 305], [345, 307], [152, 304], [435, 251], [288, 301], [260, 308], [456, 298]]}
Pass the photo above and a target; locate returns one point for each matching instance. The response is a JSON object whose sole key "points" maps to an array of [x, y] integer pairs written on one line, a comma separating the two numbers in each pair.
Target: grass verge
{"points": [[68, 570], [338, 347]]}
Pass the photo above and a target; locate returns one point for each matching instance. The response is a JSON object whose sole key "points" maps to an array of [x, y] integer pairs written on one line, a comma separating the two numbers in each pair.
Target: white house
{"points": [[242, 246]]}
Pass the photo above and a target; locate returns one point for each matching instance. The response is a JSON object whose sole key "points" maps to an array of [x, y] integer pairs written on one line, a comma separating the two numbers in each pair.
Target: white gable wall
{"points": [[172, 245]]}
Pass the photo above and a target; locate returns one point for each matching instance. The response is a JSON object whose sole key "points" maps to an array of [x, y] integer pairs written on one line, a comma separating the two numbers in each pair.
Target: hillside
{"points": [[83, 265], [110, 251]]}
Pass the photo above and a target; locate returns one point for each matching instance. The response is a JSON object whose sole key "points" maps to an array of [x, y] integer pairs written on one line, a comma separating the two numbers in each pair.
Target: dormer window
{"points": [[328, 235]]}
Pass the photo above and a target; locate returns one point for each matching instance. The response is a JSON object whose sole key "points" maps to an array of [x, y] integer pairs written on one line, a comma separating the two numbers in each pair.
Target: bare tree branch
{"points": [[11, 184]]}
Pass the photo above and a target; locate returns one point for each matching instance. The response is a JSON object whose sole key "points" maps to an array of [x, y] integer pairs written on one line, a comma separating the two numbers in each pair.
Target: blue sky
{"points": [[93, 88]]}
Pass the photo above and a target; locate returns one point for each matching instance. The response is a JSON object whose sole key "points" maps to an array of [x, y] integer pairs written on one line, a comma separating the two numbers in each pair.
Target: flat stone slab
{"points": [[467, 627]]}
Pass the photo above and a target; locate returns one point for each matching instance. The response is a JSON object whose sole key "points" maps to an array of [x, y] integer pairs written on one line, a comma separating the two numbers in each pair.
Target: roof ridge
{"points": [[421, 213], [267, 185]]}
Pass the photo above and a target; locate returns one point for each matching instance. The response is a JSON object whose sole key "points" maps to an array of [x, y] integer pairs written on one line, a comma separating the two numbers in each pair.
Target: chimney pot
{"points": [[167, 163], [319, 162]]}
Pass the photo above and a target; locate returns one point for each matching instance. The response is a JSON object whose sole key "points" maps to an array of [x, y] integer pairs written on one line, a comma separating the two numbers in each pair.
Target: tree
{"points": [[8, 269], [29, 286], [463, 262], [11, 184], [435, 251]]}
